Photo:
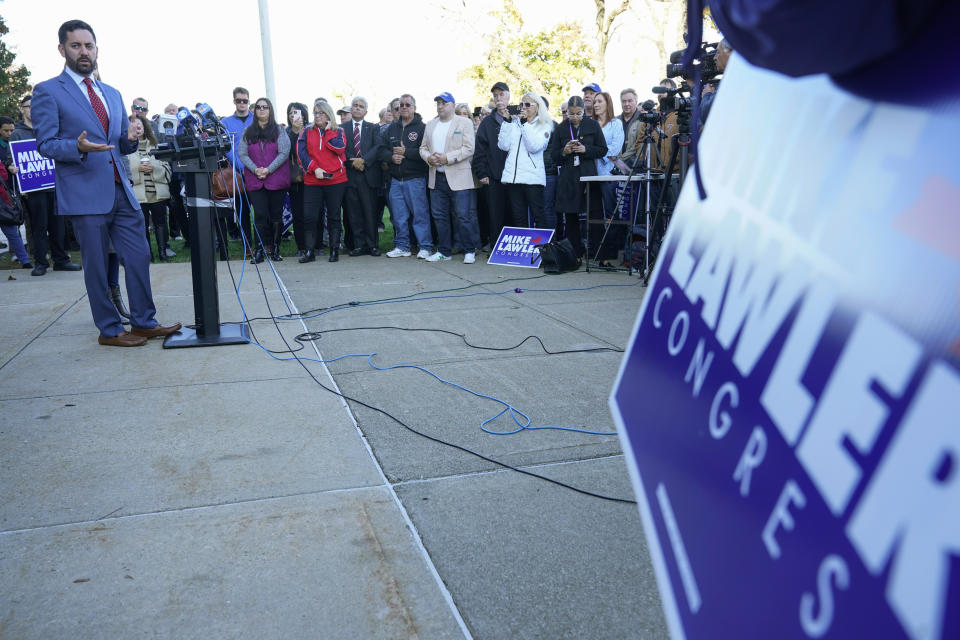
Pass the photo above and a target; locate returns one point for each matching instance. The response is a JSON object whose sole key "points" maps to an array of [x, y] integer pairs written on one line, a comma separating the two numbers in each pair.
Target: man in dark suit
{"points": [[81, 123], [364, 177]]}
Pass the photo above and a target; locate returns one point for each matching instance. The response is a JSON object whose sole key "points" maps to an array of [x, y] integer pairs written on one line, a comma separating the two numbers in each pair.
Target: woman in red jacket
{"points": [[321, 150]]}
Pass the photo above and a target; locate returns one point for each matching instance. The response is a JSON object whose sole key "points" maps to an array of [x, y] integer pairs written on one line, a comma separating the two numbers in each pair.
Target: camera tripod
{"points": [[680, 149], [647, 149]]}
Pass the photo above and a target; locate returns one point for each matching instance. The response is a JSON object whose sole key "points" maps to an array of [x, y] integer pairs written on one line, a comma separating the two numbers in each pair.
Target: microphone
{"points": [[207, 114], [187, 120]]}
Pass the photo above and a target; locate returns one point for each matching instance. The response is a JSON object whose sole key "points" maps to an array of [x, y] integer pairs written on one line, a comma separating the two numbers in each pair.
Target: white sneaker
{"points": [[469, 257], [397, 252], [423, 255], [438, 257]]}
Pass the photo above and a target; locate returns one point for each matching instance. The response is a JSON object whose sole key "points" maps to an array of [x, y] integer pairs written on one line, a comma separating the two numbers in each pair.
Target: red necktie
{"points": [[101, 112], [356, 138]]}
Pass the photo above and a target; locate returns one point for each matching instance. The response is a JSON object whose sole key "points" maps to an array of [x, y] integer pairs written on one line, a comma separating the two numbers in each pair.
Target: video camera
{"points": [[650, 117], [708, 63], [674, 100]]}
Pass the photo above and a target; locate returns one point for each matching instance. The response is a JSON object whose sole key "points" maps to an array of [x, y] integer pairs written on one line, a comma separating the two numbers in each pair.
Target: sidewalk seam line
{"points": [[485, 472], [198, 507], [42, 331], [415, 534]]}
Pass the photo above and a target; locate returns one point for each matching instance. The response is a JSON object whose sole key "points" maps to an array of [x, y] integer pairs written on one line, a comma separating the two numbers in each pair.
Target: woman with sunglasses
{"points": [[321, 150], [524, 139], [264, 151], [575, 145]]}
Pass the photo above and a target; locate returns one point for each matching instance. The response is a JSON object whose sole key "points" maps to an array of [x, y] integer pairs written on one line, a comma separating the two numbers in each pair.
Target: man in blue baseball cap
{"points": [[447, 148], [589, 91]]}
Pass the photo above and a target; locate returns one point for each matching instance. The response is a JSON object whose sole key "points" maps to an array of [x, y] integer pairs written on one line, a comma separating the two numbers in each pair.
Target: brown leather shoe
{"points": [[125, 339], [157, 331]]}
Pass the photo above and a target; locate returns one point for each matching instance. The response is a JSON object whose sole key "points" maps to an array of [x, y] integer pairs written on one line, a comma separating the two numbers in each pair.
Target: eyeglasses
{"points": [[406, 104], [262, 107], [241, 101], [526, 105], [137, 107]]}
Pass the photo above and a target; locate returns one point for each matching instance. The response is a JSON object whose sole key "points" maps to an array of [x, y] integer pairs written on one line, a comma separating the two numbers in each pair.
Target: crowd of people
{"points": [[449, 184]]}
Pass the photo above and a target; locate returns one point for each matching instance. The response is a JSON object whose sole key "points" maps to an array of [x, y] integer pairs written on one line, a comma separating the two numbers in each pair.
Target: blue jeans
{"points": [[409, 197], [468, 229], [16, 242]]}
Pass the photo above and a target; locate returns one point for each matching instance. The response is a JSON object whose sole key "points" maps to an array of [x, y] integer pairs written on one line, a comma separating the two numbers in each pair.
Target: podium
{"points": [[197, 159]]}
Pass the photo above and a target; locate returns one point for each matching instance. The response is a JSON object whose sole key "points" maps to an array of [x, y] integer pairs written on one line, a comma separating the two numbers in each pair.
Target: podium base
{"points": [[229, 334]]}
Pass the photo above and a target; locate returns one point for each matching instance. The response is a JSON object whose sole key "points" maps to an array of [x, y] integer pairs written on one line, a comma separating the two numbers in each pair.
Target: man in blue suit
{"points": [[81, 123]]}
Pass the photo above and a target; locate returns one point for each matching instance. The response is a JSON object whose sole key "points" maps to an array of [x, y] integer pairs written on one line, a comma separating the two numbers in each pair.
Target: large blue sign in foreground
{"points": [[790, 399]]}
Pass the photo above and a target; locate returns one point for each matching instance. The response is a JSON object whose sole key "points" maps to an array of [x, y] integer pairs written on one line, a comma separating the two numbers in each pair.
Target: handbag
{"points": [[557, 256], [223, 186], [11, 214]]}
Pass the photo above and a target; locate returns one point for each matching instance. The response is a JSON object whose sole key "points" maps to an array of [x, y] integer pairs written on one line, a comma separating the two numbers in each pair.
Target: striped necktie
{"points": [[356, 138]]}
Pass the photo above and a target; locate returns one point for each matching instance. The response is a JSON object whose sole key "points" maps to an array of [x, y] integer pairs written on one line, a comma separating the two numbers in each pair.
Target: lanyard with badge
{"points": [[575, 137]]}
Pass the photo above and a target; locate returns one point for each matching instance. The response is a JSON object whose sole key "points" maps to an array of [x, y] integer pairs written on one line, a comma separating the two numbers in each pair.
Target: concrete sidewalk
{"points": [[224, 493]]}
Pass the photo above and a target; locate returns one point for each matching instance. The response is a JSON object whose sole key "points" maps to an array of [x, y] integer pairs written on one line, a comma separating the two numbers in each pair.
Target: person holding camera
{"points": [[576, 145], [524, 177], [322, 151], [488, 163]]}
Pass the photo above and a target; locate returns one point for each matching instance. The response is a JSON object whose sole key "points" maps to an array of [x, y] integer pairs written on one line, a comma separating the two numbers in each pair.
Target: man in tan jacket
{"points": [[447, 148]]}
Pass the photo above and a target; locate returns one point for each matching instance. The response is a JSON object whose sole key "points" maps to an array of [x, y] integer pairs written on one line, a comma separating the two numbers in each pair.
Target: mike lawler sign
{"points": [[515, 247], [790, 400], [34, 172]]}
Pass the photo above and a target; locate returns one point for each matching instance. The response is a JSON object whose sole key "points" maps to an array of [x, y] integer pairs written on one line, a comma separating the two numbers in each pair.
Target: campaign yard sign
{"points": [[789, 403], [515, 247], [34, 172]]}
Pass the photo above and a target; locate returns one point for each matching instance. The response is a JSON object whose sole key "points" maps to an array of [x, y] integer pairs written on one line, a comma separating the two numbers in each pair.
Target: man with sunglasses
{"points": [[236, 124]]}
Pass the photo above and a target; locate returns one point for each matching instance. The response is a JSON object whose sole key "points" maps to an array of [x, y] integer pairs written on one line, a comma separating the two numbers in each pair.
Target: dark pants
{"points": [[568, 226], [178, 212], [244, 213], [524, 197], [315, 199], [123, 226], [498, 210], [363, 218], [550, 201], [268, 213], [47, 229], [155, 212], [296, 212]]}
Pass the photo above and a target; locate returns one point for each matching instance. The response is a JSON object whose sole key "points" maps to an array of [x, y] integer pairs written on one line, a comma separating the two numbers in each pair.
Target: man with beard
{"points": [[81, 123]]}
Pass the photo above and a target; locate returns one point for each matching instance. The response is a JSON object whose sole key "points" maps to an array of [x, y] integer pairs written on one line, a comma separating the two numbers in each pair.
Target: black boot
{"points": [[310, 241], [160, 233], [117, 300], [334, 255], [258, 256], [277, 237]]}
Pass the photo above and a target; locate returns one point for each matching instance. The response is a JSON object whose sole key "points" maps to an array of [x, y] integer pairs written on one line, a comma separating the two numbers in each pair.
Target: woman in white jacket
{"points": [[525, 139]]}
